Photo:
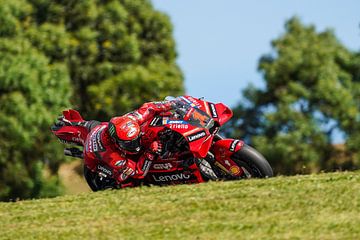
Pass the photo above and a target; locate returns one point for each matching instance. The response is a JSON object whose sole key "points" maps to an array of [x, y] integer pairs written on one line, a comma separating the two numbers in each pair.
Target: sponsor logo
{"points": [[98, 138], [104, 170], [131, 132], [165, 120], [173, 177], [161, 166], [196, 136], [176, 122], [93, 143], [191, 103], [213, 110], [233, 145], [194, 102], [235, 170], [128, 125], [179, 126], [126, 173], [95, 140]]}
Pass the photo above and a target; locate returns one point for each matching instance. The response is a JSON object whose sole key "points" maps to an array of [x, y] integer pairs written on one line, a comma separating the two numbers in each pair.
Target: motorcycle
{"points": [[193, 149]]}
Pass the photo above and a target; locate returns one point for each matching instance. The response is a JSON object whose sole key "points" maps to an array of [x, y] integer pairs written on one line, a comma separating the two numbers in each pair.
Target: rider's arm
{"points": [[145, 160], [149, 110]]}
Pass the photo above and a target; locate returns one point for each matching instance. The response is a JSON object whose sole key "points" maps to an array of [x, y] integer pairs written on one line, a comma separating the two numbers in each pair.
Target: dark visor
{"points": [[132, 145]]}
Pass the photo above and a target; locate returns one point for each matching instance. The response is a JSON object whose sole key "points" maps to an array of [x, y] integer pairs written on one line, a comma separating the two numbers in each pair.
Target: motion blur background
{"points": [[289, 69]]}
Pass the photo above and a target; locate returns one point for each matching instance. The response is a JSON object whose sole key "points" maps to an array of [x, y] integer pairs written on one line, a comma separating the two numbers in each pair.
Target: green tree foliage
{"points": [[312, 89], [120, 53], [112, 54], [32, 92]]}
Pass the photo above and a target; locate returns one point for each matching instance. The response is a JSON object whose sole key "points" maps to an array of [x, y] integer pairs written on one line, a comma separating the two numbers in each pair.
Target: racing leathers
{"points": [[100, 147]]}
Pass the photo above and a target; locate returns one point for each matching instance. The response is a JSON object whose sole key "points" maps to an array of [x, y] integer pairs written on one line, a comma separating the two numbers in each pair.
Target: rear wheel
{"points": [[253, 164]]}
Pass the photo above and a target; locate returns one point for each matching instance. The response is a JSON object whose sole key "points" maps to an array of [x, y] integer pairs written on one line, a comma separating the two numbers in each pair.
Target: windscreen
{"points": [[192, 114]]}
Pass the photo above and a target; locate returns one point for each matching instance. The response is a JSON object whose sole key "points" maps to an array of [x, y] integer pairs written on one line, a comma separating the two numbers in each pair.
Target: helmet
{"points": [[126, 133]]}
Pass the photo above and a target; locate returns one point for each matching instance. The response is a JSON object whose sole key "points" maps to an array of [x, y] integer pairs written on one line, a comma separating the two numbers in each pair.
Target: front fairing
{"points": [[219, 112], [199, 139], [196, 120], [224, 113], [194, 124]]}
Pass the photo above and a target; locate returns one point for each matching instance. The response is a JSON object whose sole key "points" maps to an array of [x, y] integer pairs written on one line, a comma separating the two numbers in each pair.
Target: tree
{"points": [[32, 92], [312, 89], [112, 54], [112, 49]]}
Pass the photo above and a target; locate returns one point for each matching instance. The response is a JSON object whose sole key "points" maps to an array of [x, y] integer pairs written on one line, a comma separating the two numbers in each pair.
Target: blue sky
{"points": [[219, 42]]}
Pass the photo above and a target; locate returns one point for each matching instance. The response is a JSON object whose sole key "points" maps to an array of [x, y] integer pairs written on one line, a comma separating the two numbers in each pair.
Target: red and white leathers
{"points": [[99, 146]]}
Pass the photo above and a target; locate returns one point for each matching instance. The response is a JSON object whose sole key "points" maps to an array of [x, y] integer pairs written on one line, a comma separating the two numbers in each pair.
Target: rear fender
{"points": [[71, 134]]}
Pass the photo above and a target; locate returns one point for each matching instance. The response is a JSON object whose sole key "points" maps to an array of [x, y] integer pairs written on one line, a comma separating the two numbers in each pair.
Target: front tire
{"points": [[96, 183], [90, 178], [252, 163]]}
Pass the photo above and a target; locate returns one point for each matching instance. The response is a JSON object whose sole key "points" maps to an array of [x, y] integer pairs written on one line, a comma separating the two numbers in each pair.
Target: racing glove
{"points": [[155, 150], [150, 155]]}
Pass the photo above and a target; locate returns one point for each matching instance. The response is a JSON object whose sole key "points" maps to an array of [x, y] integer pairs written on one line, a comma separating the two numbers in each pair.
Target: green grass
{"points": [[324, 206]]}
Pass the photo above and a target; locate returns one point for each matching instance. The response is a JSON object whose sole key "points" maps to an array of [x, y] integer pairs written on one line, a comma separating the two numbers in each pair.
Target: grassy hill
{"points": [[325, 206]]}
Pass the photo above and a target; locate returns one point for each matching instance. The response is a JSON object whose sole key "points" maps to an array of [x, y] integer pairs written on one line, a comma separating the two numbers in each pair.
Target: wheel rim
{"points": [[249, 170]]}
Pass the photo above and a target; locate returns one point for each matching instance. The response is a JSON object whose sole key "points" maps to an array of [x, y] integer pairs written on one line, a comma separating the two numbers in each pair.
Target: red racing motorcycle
{"points": [[193, 149]]}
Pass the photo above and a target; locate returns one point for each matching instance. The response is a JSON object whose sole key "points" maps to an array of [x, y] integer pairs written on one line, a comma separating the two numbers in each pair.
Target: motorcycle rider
{"points": [[118, 142]]}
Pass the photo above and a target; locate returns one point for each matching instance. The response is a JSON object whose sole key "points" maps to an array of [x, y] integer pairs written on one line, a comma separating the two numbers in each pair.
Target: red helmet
{"points": [[126, 133]]}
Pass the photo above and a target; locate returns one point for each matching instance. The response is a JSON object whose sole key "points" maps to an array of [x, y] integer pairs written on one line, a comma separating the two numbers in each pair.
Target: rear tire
{"points": [[252, 163]]}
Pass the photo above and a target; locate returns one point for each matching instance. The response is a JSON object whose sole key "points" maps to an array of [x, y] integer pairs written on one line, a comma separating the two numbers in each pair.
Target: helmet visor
{"points": [[131, 146]]}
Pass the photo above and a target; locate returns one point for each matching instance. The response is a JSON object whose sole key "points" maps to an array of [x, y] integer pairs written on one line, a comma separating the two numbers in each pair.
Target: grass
{"points": [[324, 206], [71, 176]]}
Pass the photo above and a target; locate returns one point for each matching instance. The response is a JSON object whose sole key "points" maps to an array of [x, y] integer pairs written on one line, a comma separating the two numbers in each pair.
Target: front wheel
{"points": [[253, 164], [97, 183]]}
